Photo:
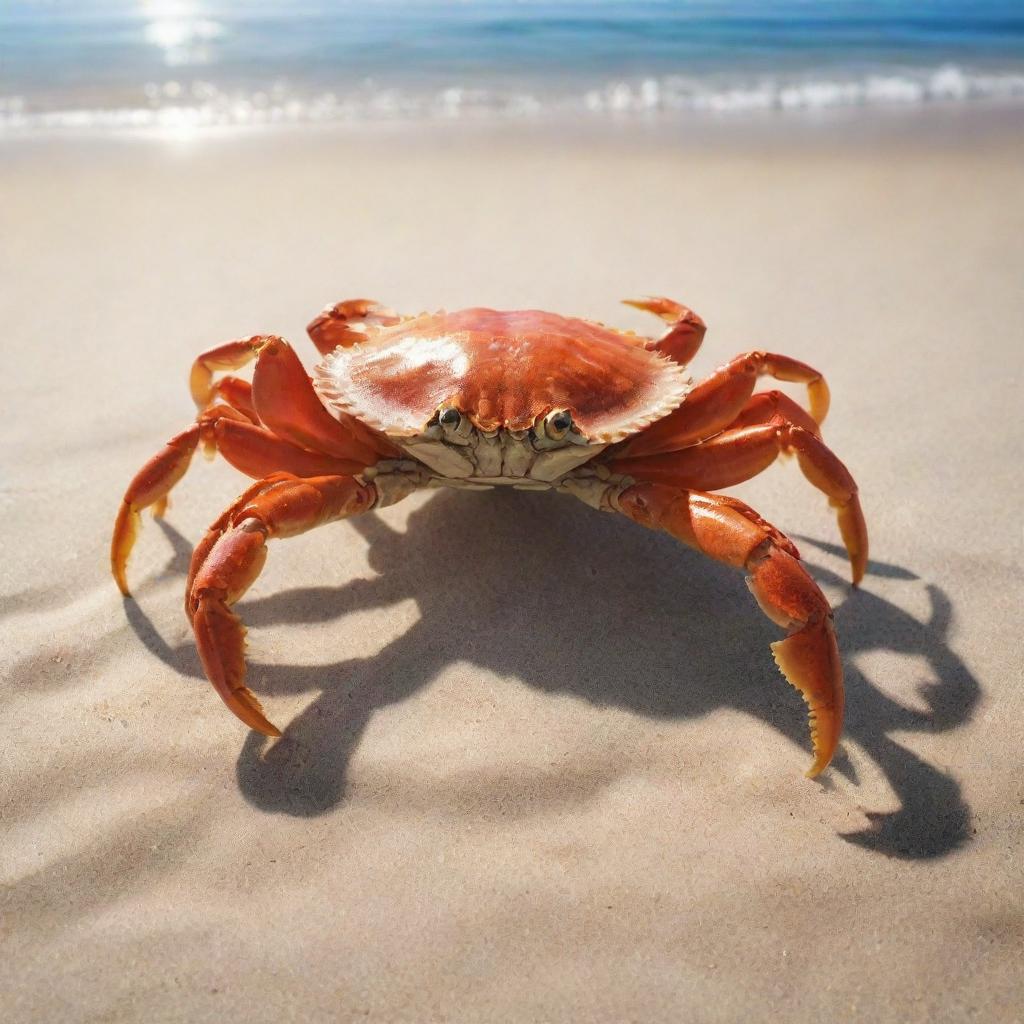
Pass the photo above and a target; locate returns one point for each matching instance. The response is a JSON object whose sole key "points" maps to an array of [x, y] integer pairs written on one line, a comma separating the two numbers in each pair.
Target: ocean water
{"points": [[115, 65]]}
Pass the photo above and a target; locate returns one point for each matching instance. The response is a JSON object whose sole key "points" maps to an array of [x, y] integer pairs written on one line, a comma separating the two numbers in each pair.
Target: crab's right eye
{"points": [[450, 418]]}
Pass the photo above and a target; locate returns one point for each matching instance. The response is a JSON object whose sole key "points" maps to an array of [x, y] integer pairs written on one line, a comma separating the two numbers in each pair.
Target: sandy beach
{"points": [[481, 809]]}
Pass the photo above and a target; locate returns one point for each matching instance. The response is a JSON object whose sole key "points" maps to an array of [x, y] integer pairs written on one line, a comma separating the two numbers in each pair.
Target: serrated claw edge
{"points": [[809, 661]]}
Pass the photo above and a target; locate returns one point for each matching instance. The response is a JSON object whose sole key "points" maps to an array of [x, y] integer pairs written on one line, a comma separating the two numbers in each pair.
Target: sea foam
{"points": [[176, 106]]}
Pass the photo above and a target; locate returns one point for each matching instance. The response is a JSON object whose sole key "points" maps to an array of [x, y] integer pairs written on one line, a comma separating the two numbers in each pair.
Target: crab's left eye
{"points": [[557, 424], [450, 418]]}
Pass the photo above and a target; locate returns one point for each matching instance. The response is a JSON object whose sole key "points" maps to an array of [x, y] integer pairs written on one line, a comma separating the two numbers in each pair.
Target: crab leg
{"points": [[285, 401], [764, 406], [731, 532], [251, 449], [736, 455], [238, 394], [344, 324], [282, 396], [232, 555], [686, 330], [258, 453], [150, 486], [232, 355], [717, 400]]}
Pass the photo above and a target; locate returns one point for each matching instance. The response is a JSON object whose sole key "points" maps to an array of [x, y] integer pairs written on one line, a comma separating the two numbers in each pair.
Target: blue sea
{"points": [[114, 65]]}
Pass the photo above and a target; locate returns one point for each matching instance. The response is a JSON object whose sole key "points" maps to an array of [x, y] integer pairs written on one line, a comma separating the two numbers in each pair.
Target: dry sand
{"points": [[538, 764]]}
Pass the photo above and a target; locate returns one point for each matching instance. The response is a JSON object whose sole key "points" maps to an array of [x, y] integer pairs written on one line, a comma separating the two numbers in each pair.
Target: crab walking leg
{"points": [[731, 532], [251, 449], [232, 355], [282, 397], [765, 406], [258, 453], [736, 455], [238, 394], [150, 486], [234, 553], [718, 399], [686, 330], [345, 323]]}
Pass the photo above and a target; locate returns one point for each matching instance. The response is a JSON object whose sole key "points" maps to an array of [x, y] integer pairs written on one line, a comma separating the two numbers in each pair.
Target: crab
{"points": [[482, 398]]}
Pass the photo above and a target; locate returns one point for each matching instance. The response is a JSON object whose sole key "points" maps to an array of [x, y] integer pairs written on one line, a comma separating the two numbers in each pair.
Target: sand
{"points": [[537, 762]]}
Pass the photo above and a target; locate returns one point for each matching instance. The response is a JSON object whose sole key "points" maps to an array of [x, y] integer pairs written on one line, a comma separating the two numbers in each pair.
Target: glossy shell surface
{"points": [[503, 370]]}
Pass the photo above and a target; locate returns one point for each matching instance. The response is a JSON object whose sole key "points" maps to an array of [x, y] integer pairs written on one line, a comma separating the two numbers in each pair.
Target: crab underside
{"points": [[528, 399]]}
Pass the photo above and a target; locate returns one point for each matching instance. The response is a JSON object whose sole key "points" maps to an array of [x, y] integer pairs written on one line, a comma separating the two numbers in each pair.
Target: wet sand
{"points": [[537, 763]]}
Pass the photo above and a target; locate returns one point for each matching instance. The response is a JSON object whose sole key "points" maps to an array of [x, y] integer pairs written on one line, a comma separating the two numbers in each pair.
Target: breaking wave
{"points": [[175, 106]]}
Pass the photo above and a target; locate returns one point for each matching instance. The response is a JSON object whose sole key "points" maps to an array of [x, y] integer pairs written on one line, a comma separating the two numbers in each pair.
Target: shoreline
{"points": [[951, 125]]}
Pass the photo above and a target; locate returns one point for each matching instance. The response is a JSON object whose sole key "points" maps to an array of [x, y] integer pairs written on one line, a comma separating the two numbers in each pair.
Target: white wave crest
{"points": [[178, 107], [911, 87]]}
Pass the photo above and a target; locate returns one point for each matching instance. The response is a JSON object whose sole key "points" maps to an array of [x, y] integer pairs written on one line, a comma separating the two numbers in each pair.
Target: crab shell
{"points": [[504, 371]]}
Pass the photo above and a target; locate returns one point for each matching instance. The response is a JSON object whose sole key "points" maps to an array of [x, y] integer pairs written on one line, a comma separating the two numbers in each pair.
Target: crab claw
{"points": [[231, 564], [345, 323], [731, 532], [231, 556], [220, 638], [809, 659], [809, 656]]}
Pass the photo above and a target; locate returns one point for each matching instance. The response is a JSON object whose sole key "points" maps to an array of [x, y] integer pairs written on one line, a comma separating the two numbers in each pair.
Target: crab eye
{"points": [[557, 424], [450, 418]]}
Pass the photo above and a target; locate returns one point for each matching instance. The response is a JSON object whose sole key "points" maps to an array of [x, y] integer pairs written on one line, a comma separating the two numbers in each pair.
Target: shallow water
{"points": [[111, 64]]}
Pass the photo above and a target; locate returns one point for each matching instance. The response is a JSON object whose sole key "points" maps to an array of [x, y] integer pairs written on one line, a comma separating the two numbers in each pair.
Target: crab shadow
{"points": [[576, 602]]}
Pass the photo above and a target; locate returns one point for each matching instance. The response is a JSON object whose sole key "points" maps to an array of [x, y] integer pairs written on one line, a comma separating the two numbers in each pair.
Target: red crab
{"points": [[526, 399]]}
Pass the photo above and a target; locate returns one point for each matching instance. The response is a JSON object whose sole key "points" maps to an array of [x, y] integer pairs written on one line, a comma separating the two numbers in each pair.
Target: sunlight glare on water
{"points": [[181, 32]]}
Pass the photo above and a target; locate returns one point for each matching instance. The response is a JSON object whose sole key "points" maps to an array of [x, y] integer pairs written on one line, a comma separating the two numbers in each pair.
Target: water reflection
{"points": [[182, 32]]}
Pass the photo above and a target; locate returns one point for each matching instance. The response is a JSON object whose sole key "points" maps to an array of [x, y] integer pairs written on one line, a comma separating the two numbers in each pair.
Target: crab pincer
{"points": [[234, 553], [729, 531]]}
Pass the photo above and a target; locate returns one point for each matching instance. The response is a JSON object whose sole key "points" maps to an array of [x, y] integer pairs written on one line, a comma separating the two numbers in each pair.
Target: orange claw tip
{"points": [[809, 659], [246, 707], [220, 639]]}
